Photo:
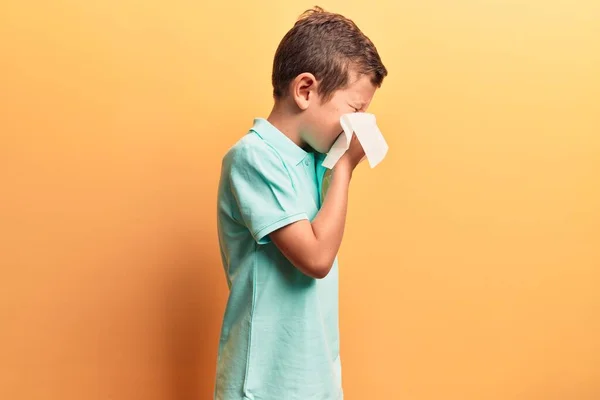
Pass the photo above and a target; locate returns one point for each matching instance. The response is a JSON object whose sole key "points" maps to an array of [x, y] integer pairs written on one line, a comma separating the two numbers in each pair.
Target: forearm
{"points": [[328, 226]]}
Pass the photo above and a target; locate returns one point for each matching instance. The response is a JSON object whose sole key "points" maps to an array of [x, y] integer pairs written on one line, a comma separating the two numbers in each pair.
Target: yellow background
{"points": [[471, 264]]}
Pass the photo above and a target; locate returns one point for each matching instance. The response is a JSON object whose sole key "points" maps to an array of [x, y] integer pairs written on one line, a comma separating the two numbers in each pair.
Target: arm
{"points": [[312, 247]]}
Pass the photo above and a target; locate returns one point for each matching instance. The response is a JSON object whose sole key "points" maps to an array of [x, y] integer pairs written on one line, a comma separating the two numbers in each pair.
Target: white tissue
{"points": [[368, 134]]}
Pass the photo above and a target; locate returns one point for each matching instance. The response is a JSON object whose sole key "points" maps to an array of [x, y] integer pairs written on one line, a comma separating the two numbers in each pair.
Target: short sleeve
{"points": [[263, 191]]}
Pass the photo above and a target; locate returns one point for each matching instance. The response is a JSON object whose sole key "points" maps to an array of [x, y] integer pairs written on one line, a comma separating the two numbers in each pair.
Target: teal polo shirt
{"points": [[280, 338]]}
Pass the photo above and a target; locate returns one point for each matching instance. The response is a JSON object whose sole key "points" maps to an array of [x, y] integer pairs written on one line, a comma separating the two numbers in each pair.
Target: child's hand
{"points": [[352, 156]]}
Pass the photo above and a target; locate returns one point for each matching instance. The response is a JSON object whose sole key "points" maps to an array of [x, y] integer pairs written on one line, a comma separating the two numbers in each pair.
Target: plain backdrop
{"points": [[471, 264]]}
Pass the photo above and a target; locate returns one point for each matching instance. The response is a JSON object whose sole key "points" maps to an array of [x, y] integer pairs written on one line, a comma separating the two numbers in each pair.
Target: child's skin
{"points": [[311, 121]]}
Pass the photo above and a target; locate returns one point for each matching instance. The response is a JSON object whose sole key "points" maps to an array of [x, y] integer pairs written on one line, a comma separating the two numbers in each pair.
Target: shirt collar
{"points": [[279, 141]]}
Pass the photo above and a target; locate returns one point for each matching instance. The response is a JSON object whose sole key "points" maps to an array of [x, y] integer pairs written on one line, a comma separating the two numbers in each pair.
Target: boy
{"points": [[279, 232]]}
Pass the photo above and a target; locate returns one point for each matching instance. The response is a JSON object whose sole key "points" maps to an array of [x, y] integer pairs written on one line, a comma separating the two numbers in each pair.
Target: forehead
{"points": [[360, 88]]}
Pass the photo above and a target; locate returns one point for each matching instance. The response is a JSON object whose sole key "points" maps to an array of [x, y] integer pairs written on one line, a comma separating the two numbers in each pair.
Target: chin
{"points": [[323, 149], [328, 146], [315, 147]]}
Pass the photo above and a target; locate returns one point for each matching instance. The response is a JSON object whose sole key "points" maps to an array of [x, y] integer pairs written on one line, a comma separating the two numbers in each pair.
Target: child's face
{"points": [[322, 123]]}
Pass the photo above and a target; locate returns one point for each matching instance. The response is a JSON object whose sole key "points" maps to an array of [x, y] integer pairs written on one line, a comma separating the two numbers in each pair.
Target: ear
{"points": [[304, 90]]}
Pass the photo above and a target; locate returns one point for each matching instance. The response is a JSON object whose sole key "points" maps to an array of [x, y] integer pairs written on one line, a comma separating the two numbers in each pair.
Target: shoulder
{"points": [[252, 153]]}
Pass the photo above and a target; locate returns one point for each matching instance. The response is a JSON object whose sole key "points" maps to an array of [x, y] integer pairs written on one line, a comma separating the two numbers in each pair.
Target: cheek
{"points": [[329, 128], [334, 119], [331, 137], [334, 127]]}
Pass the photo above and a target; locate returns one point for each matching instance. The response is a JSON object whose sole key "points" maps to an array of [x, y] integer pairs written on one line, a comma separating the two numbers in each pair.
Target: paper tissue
{"points": [[368, 134]]}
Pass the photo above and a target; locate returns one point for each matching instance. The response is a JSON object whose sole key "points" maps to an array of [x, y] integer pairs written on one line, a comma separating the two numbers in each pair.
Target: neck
{"points": [[287, 121]]}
